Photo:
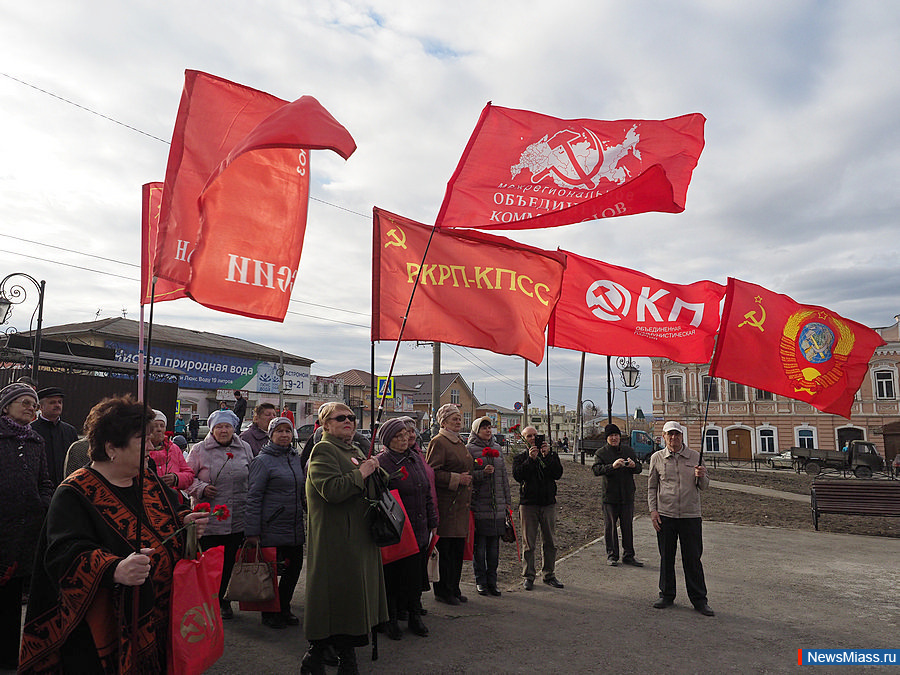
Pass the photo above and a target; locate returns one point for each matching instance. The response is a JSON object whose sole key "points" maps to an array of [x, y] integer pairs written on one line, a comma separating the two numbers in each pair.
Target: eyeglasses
{"points": [[343, 418]]}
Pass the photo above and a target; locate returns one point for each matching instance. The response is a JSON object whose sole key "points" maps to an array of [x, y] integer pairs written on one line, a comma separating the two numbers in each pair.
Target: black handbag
{"points": [[509, 530], [387, 514]]}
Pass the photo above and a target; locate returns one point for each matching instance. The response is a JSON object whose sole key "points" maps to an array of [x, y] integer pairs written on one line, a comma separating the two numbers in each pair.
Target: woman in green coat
{"points": [[345, 594]]}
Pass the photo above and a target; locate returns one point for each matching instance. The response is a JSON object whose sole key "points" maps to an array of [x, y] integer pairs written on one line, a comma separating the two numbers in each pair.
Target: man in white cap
{"points": [[673, 493]]}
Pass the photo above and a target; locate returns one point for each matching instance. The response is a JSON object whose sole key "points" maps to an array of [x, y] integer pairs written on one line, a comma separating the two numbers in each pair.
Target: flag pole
{"points": [[399, 338], [549, 426]]}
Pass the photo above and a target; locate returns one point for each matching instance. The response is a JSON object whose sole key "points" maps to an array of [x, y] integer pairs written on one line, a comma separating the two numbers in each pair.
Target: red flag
{"points": [[476, 289], [165, 289], [804, 352], [523, 170], [214, 117], [605, 309], [252, 190]]}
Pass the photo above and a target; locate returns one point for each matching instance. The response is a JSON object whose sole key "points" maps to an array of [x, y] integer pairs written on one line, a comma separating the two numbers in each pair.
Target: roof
{"points": [[62, 360], [354, 378], [420, 385], [503, 410], [128, 329]]}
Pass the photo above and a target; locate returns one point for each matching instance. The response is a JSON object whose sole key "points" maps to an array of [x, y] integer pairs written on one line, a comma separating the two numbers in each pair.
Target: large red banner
{"points": [[804, 352], [524, 170], [475, 290], [151, 194], [239, 174], [606, 309]]}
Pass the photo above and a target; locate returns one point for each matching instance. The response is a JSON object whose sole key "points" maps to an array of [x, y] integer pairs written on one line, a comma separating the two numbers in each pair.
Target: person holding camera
{"points": [[617, 464], [536, 470]]}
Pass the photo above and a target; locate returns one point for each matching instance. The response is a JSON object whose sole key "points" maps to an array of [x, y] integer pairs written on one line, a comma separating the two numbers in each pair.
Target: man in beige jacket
{"points": [[673, 494]]}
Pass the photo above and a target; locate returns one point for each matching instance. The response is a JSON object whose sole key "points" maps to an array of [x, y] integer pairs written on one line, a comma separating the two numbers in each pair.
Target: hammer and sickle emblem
{"points": [[398, 236], [750, 317]]}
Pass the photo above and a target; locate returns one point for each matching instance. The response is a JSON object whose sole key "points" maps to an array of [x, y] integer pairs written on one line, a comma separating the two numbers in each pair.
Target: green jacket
{"points": [[344, 578]]}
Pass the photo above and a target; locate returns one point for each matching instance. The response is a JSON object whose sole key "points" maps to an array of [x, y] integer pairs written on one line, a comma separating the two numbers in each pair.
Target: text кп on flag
{"points": [[524, 170], [476, 290], [232, 228], [606, 309], [804, 352]]}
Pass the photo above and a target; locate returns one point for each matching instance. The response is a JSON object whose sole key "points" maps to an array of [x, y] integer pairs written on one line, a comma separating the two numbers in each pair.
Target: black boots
{"points": [[312, 663], [347, 658], [416, 626]]}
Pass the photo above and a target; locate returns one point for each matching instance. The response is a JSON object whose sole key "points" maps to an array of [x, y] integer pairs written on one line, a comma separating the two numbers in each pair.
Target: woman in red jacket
{"points": [[171, 465]]}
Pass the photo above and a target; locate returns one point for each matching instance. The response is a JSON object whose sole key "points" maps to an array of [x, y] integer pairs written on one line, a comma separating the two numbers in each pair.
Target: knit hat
{"points": [[611, 429], [160, 417], [476, 425], [11, 392], [445, 411], [275, 422], [390, 429], [180, 441], [220, 416], [46, 392]]}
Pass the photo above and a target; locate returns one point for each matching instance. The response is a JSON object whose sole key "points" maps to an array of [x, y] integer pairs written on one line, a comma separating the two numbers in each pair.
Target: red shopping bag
{"points": [[270, 555], [196, 634], [408, 545]]}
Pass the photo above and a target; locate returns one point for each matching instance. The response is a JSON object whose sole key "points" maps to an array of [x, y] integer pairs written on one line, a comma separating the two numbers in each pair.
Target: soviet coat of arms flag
{"points": [[524, 170], [476, 289], [236, 194], [804, 352], [606, 309]]}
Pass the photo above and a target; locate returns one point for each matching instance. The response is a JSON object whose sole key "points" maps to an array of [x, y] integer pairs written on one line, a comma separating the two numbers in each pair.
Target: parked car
{"points": [[367, 433], [783, 461], [304, 431]]}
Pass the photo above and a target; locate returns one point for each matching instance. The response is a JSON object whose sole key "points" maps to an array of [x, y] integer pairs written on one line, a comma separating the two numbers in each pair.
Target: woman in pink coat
{"points": [[171, 465]]}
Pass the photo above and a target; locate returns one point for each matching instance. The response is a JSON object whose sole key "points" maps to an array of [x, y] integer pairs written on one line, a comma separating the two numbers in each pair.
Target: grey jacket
{"points": [[212, 466], [490, 491], [275, 497]]}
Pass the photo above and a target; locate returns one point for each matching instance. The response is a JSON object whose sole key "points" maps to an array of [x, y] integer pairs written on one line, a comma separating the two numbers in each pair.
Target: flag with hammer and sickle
{"points": [[804, 352]]}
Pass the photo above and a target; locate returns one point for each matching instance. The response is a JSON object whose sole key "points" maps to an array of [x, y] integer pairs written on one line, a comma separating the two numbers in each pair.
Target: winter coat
{"points": [[450, 459], [618, 484], [537, 478], [170, 459], [58, 436], [255, 437], [490, 492], [414, 490], [344, 576], [275, 497], [25, 492], [212, 466]]}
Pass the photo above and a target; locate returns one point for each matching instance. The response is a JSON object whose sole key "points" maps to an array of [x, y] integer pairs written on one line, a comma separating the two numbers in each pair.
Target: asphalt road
{"points": [[773, 591]]}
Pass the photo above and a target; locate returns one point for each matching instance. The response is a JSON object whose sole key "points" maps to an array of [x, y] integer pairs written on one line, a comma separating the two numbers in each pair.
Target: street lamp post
{"points": [[593, 412], [12, 293], [631, 375]]}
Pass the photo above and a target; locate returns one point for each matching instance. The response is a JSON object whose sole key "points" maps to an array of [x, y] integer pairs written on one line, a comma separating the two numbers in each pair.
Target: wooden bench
{"points": [[862, 497]]}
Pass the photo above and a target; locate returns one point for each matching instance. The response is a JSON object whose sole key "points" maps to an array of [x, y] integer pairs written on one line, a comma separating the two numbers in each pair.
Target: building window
{"points": [[763, 395], [315, 387], [467, 421], [806, 438], [767, 440], [713, 443], [710, 388], [884, 384], [675, 385], [736, 392], [454, 396]]}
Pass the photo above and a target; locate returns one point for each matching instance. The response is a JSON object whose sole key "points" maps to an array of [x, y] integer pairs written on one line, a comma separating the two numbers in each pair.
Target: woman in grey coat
{"points": [[274, 513], [490, 503]]}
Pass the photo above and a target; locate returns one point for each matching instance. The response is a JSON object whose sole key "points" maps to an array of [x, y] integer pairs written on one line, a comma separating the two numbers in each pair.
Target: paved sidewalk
{"points": [[754, 490]]}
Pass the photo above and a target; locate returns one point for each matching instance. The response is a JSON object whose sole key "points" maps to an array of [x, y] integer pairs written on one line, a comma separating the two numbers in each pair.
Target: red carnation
{"points": [[221, 512], [202, 506], [490, 452], [229, 455], [479, 461], [404, 474]]}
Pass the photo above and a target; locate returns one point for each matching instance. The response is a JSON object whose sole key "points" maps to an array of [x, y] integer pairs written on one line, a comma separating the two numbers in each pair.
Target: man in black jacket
{"points": [[57, 435], [537, 469], [617, 464]]}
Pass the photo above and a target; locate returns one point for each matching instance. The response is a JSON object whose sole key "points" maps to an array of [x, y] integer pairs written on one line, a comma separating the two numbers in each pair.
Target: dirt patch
{"points": [[580, 517]]}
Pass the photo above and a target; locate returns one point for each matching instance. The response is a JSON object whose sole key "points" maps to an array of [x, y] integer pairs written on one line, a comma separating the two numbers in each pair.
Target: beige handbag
{"points": [[251, 581]]}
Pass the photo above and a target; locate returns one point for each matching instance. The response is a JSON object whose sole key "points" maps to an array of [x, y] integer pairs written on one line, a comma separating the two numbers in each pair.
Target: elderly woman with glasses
{"points": [[452, 466], [345, 594], [25, 492]]}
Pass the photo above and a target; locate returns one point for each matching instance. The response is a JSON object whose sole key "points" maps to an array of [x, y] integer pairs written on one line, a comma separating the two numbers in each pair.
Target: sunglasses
{"points": [[344, 418]]}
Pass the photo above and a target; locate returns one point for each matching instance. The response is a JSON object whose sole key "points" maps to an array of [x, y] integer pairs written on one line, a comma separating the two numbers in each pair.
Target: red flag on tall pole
{"points": [[165, 290], [804, 352], [524, 170], [475, 289], [234, 224], [606, 309]]}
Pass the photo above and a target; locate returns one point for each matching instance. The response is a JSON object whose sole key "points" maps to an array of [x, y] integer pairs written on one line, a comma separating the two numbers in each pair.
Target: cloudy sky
{"points": [[798, 188]]}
